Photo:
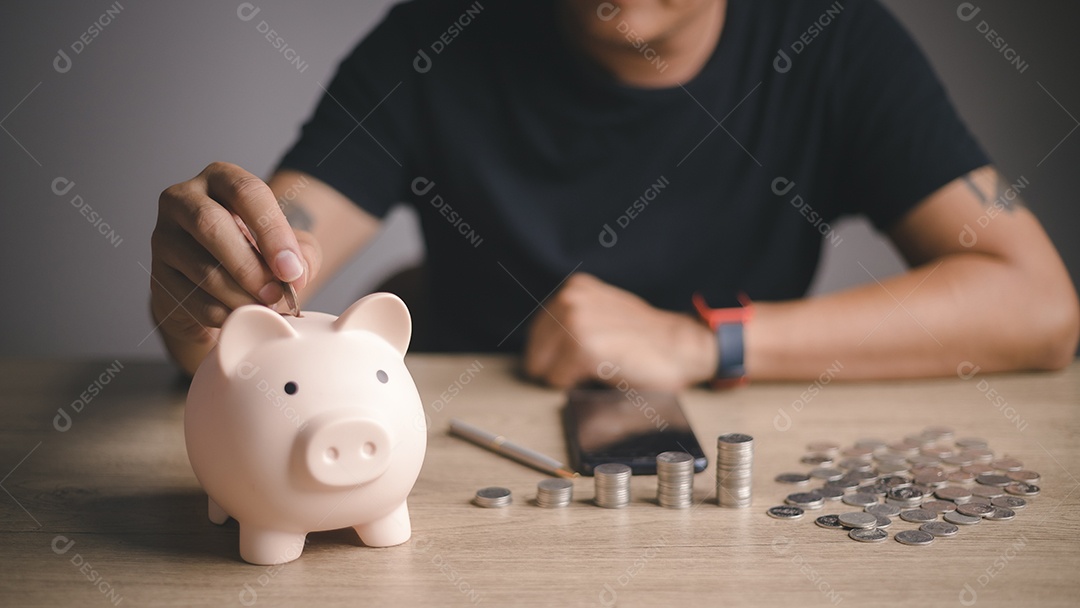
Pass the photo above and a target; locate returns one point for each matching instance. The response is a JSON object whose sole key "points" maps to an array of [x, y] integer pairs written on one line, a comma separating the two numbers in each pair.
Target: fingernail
{"points": [[288, 266], [271, 293]]}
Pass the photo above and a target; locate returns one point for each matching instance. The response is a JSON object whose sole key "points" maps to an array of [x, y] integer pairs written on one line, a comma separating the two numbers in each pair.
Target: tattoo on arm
{"points": [[1000, 194], [297, 216]]}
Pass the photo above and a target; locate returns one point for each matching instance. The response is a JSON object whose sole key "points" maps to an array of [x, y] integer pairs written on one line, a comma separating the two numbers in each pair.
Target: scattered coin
{"points": [[829, 521], [1026, 476], [937, 451], [868, 535], [918, 516], [980, 456], [844, 483], [819, 460], [785, 512], [860, 499], [1007, 464], [975, 510], [907, 448], [856, 464], [971, 442], [958, 460], [806, 500], [938, 506], [858, 519], [960, 519], [830, 493], [826, 473], [883, 510], [987, 491], [883, 522], [978, 469], [492, 497], [1021, 488], [978, 500], [915, 537], [961, 477], [823, 447], [1000, 514], [873, 444], [940, 528], [1009, 502], [991, 479], [793, 478], [885, 468], [938, 433], [953, 493], [923, 460]]}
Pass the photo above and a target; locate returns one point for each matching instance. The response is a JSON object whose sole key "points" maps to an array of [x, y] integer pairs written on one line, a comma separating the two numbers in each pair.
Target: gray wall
{"points": [[167, 87]]}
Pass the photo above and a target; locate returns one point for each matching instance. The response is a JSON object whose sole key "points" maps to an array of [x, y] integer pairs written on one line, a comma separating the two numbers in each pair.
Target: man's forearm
{"points": [[962, 307]]}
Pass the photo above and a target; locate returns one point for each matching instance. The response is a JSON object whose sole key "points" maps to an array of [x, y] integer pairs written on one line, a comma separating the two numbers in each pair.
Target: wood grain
{"points": [[117, 483]]}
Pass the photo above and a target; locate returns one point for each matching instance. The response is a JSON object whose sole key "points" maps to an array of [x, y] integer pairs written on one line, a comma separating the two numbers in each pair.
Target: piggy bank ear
{"points": [[383, 314], [245, 329]]}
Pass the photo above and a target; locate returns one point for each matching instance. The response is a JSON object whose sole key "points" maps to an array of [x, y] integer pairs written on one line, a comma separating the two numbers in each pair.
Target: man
{"points": [[583, 169]]}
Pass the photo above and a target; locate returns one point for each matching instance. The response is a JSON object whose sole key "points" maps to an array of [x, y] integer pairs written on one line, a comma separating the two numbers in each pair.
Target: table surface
{"points": [[108, 511]]}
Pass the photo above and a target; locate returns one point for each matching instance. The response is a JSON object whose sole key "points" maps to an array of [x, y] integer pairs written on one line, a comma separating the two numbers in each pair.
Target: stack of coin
{"points": [[492, 497], [612, 485], [554, 493], [734, 461], [675, 480]]}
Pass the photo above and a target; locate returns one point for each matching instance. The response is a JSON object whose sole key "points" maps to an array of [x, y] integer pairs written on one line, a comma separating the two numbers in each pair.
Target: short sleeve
{"points": [[901, 137], [361, 136]]}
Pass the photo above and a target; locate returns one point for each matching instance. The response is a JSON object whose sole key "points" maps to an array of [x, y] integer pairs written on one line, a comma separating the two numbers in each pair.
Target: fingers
{"points": [[249, 197], [180, 307]]}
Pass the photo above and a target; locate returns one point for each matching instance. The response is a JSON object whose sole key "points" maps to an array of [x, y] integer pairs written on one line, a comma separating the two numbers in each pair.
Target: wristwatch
{"points": [[728, 324]]}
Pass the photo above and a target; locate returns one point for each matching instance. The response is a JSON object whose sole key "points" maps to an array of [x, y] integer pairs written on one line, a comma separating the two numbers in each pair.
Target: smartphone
{"points": [[631, 428]]}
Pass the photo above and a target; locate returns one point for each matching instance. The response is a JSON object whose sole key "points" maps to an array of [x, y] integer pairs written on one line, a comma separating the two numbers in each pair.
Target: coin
{"points": [[907, 448], [960, 519], [1007, 464], [987, 491], [823, 447], [979, 456], [905, 494], [785, 512], [978, 469], [819, 460], [868, 535], [860, 499], [991, 479], [675, 480], [958, 460], [953, 493], [971, 442], [734, 466], [1009, 502], [806, 500], [923, 460], [883, 522], [1026, 476], [961, 477], [978, 500], [885, 468], [554, 493], [291, 299], [937, 451], [612, 485], [793, 478], [844, 483], [830, 493], [939, 432], [915, 537], [938, 506], [826, 473], [883, 509], [975, 510], [492, 497], [1021, 488], [829, 521], [856, 464], [858, 519], [940, 528], [873, 444], [918, 515], [896, 481], [1000, 514]]}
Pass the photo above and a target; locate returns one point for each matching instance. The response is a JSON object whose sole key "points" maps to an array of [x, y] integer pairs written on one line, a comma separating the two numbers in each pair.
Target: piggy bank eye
{"points": [[291, 388], [381, 375]]}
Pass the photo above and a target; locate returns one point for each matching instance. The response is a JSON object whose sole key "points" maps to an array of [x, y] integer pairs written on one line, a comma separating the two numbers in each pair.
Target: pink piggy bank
{"points": [[295, 425]]}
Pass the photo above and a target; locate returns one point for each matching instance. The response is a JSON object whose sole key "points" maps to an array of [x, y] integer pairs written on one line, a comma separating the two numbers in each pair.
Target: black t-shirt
{"points": [[526, 163]]}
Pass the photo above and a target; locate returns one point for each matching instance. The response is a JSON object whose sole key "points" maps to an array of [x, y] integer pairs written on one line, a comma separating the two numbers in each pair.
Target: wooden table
{"points": [[109, 512]]}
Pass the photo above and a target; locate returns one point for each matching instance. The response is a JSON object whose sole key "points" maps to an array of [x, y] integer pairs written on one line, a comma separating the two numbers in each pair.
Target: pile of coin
{"points": [[492, 497], [675, 480], [921, 478], [734, 461], [612, 485], [554, 493]]}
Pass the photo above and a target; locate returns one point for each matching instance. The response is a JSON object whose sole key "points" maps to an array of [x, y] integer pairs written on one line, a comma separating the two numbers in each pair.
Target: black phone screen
{"points": [[631, 428]]}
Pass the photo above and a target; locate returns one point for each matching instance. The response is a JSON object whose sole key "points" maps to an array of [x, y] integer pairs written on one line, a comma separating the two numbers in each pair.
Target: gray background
{"points": [[169, 86]]}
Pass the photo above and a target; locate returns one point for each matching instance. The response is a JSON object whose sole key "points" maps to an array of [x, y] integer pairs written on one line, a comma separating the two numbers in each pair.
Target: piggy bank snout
{"points": [[346, 451]]}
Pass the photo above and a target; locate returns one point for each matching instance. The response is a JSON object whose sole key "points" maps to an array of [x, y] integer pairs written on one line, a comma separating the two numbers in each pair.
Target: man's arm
{"points": [[987, 286], [202, 267]]}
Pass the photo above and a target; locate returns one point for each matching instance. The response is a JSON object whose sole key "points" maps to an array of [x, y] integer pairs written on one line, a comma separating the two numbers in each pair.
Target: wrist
{"points": [[728, 325]]}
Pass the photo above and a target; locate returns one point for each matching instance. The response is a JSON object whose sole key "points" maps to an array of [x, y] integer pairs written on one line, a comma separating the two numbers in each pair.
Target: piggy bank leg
{"points": [[267, 547], [391, 530], [217, 514]]}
